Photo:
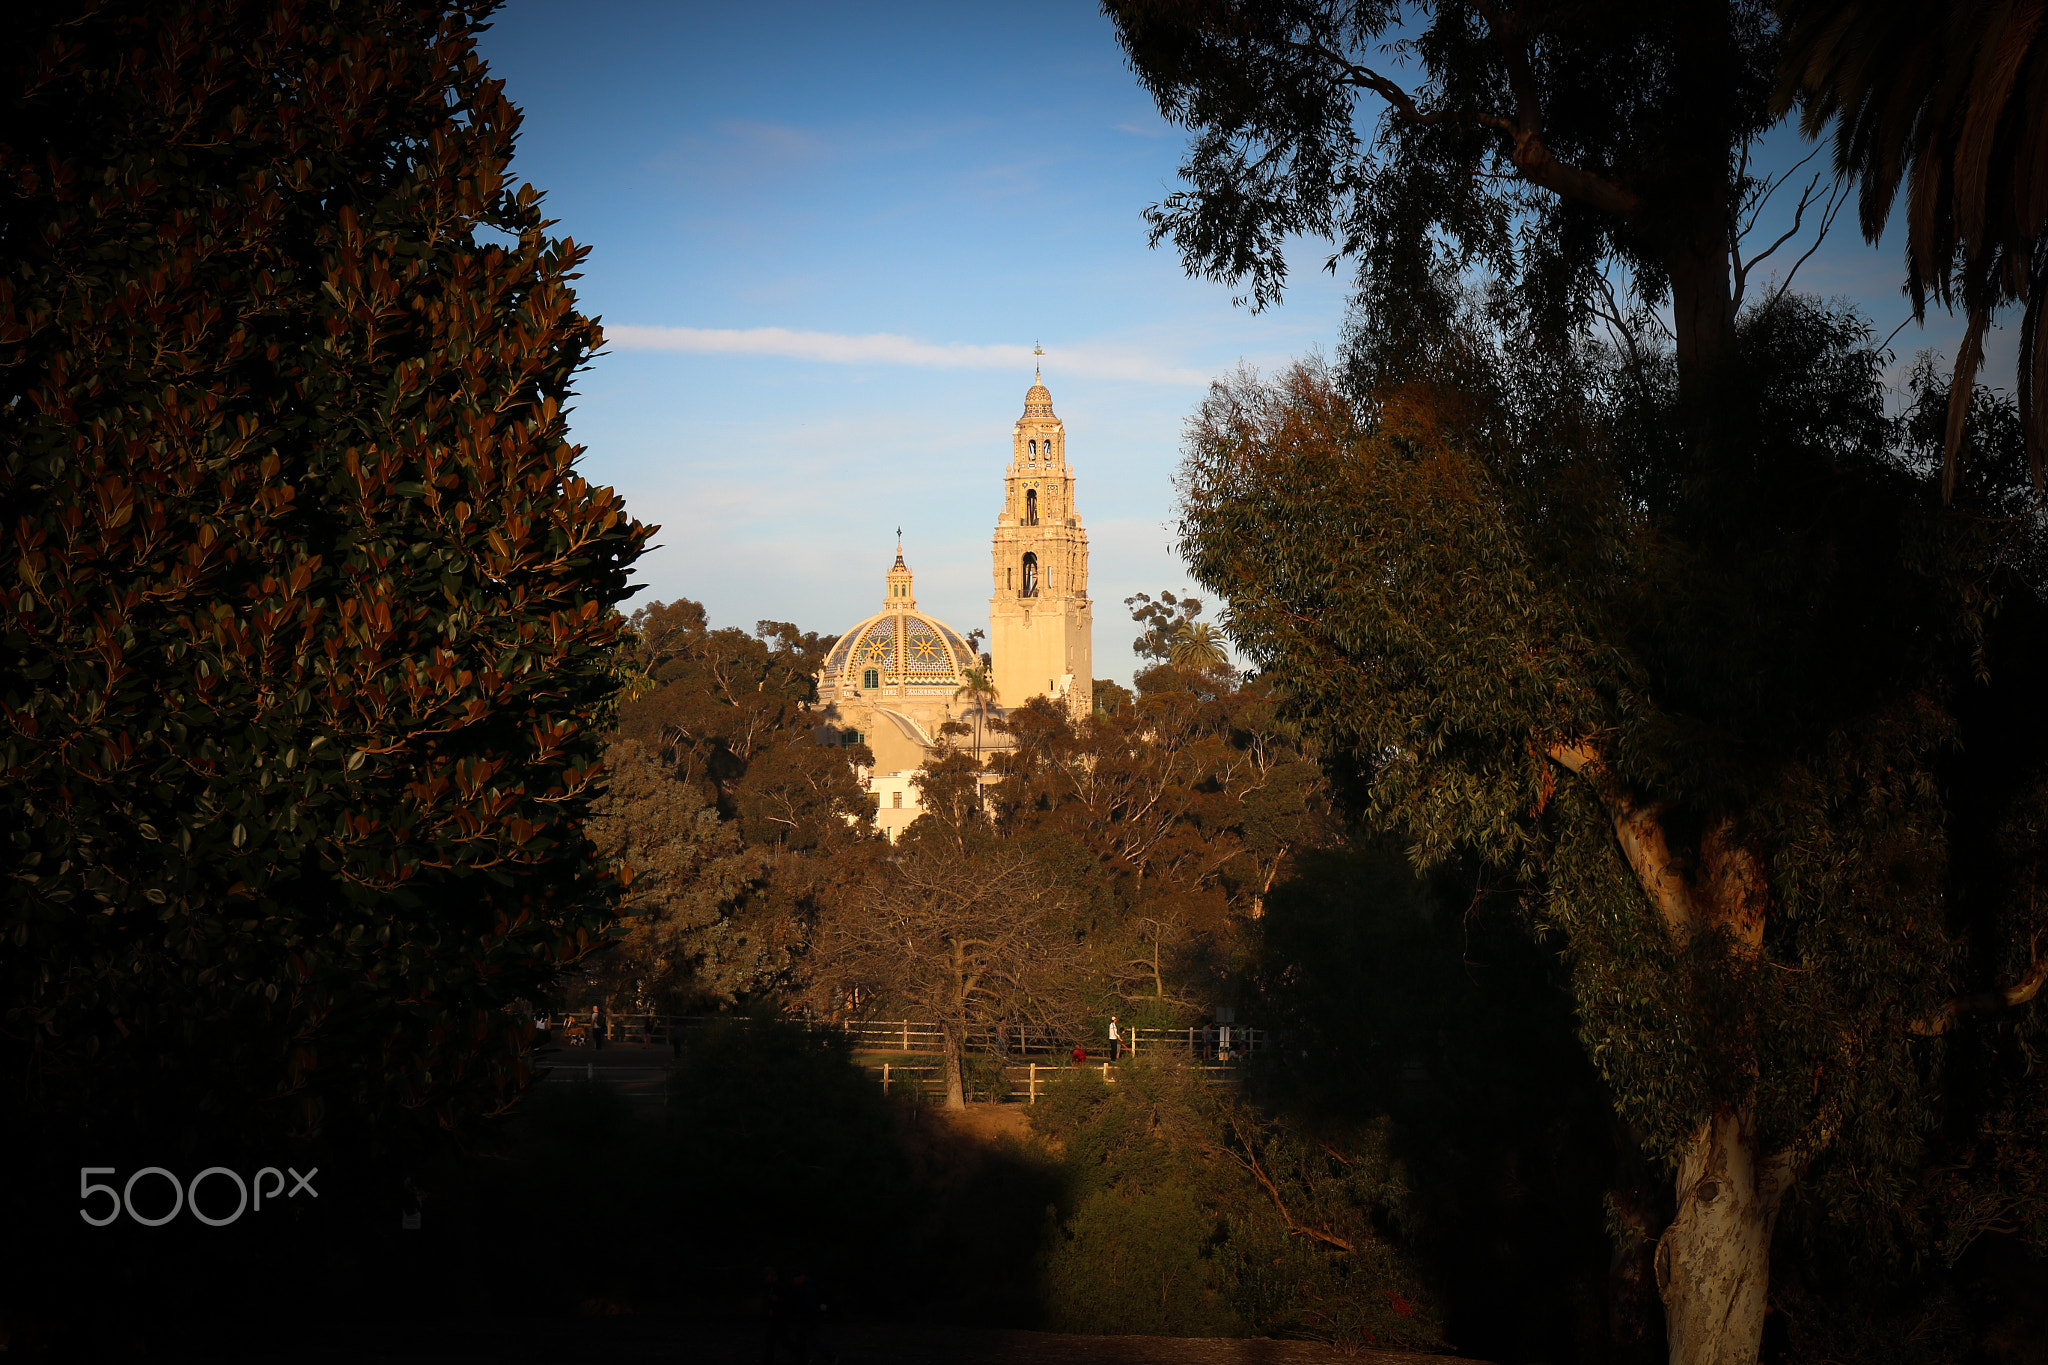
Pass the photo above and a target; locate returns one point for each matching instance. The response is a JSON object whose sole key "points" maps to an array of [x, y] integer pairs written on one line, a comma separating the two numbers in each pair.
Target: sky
{"points": [[825, 241]]}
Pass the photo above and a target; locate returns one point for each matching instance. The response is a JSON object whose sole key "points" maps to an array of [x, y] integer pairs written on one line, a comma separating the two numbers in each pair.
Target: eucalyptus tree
{"points": [[1756, 740], [1556, 148]]}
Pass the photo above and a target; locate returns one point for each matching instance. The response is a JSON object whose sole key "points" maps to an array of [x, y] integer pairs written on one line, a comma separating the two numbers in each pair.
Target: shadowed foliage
{"points": [[308, 611]]}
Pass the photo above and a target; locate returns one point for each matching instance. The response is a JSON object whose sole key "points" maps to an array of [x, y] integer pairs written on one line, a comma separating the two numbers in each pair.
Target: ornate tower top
{"points": [[900, 597]]}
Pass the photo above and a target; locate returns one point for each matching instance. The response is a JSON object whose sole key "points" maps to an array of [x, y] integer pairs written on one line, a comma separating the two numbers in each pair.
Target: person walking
{"points": [[597, 1027], [1116, 1047]]}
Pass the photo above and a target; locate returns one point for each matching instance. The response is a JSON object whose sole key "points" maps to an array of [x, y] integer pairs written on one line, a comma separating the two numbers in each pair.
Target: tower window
{"points": [[1030, 588], [1031, 507], [870, 678], [1034, 450]]}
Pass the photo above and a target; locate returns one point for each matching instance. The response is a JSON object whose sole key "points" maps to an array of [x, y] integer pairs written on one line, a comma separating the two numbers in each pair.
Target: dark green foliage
{"points": [[1430, 1007], [1774, 636], [1188, 1213], [1541, 147], [307, 609], [740, 828]]}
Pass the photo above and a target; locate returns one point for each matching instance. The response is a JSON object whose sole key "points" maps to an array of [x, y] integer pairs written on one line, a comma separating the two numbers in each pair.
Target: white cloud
{"points": [[883, 348]]}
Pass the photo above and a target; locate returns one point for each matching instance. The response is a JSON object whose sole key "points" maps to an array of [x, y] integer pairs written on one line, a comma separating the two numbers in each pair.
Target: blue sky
{"points": [[826, 238]]}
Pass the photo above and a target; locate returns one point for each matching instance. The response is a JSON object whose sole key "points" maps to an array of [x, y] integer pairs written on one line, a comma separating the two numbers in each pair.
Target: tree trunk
{"points": [[1702, 320], [955, 1035], [1714, 1261]]}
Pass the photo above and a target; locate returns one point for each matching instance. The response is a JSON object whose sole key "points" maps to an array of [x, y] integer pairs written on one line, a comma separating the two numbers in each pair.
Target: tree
{"points": [[979, 688], [974, 936], [309, 611], [740, 828], [1179, 812], [1162, 620], [1197, 648], [1556, 149], [1941, 102], [1716, 725]]}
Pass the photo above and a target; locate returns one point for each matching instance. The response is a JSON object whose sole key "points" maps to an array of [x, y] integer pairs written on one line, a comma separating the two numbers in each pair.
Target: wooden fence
{"points": [[1026, 1080], [1210, 1042]]}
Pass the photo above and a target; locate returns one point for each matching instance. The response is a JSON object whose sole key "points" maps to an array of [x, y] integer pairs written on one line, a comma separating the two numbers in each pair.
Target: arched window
{"points": [[1031, 507], [1030, 588], [870, 678], [1034, 450]]}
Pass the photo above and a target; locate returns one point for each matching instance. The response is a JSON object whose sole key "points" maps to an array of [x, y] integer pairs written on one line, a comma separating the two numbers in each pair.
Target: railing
{"points": [[1201, 1042], [1025, 1081]]}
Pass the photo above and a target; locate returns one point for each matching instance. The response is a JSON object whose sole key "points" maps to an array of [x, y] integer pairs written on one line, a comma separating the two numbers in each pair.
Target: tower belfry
{"points": [[1040, 625]]}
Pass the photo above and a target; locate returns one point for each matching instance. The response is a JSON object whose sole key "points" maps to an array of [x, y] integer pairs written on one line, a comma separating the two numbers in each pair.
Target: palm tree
{"points": [[1941, 98], [1197, 647], [980, 691]]}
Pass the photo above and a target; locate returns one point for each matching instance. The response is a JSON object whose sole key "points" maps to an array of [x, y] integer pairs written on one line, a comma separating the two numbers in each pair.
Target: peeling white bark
{"points": [[1714, 1261]]}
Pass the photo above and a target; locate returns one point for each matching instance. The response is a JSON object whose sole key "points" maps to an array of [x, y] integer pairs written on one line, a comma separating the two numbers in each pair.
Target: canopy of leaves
{"points": [[738, 825], [307, 610], [1537, 144], [1177, 811], [1448, 583]]}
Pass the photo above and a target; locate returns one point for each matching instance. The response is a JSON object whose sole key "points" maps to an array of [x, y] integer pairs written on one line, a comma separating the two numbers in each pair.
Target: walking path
{"points": [[659, 1341]]}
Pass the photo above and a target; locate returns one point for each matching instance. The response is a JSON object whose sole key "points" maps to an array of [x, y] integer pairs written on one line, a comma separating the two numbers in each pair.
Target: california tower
{"points": [[1039, 623]]}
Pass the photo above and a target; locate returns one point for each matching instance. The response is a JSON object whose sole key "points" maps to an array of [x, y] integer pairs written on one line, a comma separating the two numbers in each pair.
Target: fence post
{"points": [[590, 1071], [1105, 1073], [1032, 1091], [885, 1078]]}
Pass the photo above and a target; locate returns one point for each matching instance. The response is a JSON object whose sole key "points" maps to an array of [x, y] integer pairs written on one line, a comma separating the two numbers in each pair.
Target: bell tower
{"points": [[1040, 626]]}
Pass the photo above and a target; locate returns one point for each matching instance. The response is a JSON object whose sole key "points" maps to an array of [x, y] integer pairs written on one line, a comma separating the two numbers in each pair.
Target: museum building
{"points": [[895, 678]]}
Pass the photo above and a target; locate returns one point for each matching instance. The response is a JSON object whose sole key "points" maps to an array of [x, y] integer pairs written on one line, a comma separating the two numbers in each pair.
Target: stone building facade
{"points": [[895, 678]]}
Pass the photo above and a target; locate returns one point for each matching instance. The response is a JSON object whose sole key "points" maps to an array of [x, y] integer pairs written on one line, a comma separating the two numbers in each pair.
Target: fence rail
{"points": [[1024, 1081], [1219, 1042]]}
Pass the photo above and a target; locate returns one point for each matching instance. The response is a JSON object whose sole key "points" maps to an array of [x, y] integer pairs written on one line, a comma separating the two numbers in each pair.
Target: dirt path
{"points": [[653, 1341]]}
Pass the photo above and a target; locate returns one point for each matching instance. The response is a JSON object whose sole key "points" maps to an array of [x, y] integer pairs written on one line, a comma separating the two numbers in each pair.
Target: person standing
{"points": [[1115, 1041]]}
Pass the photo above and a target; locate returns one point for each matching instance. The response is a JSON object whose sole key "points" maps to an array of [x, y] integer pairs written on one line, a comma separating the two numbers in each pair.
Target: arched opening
{"points": [[1030, 588], [1031, 507], [1034, 450], [870, 678]]}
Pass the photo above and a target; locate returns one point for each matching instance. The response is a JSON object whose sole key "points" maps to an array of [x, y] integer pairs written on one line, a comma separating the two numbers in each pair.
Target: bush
{"points": [[1167, 1227]]}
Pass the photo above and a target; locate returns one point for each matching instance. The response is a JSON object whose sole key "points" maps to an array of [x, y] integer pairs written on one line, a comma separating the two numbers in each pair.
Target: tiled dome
{"points": [[903, 648], [1038, 400]]}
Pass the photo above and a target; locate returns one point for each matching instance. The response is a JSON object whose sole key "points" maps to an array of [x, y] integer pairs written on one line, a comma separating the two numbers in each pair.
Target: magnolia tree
{"points": [[308, 609], [1764, 751]]}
